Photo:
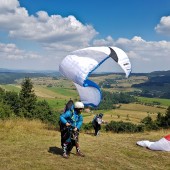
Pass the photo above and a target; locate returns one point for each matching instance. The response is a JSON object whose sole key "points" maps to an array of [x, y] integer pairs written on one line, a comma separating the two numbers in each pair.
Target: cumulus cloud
{"points": [[8, 5], [164, 26], [11, 52], [43, 28], [104, 42], [59, 35], [145, 55]]}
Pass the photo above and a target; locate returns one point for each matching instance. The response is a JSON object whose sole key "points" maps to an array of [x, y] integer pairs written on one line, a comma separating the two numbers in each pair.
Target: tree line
{"points": [[157, 86], [25, 104], [109, 100]]}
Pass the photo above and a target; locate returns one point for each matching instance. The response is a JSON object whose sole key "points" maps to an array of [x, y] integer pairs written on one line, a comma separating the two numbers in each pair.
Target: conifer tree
{"points": [[27, 98]]}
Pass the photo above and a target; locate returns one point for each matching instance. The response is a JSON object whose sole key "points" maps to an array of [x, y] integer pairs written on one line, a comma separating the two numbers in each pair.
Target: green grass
{"points": [[30, 145], [64, 91], [55, 104], [163, 102], [11, 87]]}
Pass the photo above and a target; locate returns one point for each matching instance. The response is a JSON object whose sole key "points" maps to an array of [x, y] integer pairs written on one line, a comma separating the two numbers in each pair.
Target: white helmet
{"points": [[79, 105]]}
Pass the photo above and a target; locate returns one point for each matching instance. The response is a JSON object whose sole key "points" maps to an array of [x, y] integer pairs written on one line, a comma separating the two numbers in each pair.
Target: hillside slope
{"points": [[30, 145]]}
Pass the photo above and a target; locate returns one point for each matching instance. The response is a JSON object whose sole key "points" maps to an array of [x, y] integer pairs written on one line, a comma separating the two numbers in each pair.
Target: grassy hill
{"points": [[30, 145], [33, 145]]}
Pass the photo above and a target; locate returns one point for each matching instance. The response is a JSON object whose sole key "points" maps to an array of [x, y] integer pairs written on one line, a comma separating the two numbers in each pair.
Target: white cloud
{"points": [[43, 28], [104, 42], [164, 26], [59, 35], [11, 52], [145, 55], [8, 5]]}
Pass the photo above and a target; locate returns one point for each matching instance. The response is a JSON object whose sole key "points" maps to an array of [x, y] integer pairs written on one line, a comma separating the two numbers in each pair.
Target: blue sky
{"points": [[38, 34]]}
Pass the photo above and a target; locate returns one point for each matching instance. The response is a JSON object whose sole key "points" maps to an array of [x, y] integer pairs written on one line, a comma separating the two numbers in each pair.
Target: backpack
{"points": [[69, 106], [94, 121]]}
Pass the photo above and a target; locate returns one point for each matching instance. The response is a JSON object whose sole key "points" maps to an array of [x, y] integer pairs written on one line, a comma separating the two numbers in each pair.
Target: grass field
{"points": [[163, 102], [127, 112], [30, 145], [11, 87]]}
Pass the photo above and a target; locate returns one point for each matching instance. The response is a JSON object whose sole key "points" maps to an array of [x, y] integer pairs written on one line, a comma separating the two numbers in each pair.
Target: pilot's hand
{"points": [[67, 124]]}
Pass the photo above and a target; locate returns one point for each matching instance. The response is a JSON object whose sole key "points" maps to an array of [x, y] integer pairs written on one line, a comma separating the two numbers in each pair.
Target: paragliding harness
{"points": [[95, 124], [66, 132], [69, 132], [94, 121]]}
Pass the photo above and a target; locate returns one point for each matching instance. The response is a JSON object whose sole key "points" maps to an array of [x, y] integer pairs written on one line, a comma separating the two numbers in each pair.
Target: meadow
{"points": [[33, 145]]}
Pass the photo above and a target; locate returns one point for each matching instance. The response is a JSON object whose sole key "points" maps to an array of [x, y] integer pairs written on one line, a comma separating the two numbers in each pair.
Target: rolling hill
{"points": [[31, 145]]}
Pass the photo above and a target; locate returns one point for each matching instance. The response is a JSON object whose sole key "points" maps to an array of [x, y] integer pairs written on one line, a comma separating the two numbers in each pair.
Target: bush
{"points": [[149, 123], [123, 127], [87, 126], [163, 120], [5, 111]]}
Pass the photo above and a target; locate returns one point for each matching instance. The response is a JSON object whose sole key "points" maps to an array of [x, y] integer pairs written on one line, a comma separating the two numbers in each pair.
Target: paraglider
{"points": [[78, 65], [161, 145]]}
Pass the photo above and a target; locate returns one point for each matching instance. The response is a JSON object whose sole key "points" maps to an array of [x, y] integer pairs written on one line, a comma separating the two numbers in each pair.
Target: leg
{"points": [[95, 130], [65, 142], [98, 129], [65, 148], [79, 153]]}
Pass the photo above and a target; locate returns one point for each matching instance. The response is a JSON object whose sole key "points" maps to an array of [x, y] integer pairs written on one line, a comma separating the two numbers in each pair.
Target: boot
{"points": [[65, 156], [80, 154], [65, 146]]}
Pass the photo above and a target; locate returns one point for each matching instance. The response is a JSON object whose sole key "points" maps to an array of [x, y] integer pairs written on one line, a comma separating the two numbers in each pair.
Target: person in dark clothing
{"points": [[97, 121], [71, 121]]}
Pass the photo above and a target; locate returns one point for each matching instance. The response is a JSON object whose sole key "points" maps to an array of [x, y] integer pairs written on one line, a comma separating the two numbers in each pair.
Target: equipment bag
{"points": [[69, 106]]}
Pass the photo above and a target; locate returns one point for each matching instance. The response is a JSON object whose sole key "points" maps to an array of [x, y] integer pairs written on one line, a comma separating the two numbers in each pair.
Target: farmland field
{"points": [[33, 145], [163, 102], [58, 91], [128, 113]]}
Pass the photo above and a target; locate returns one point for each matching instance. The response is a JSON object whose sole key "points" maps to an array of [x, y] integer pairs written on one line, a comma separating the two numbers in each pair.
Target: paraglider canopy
{"points": [[78, 65], [161, 145]]}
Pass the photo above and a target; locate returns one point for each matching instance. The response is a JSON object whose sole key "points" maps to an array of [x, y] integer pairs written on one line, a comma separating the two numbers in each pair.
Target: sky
{"points": [[38, 34]]}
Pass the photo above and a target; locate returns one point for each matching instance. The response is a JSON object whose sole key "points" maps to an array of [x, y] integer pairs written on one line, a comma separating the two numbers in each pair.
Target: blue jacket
{"points": [[75, 119]]}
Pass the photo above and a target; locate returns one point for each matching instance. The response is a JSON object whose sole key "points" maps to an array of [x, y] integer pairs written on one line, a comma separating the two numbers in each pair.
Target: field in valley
{"points": [[58, 91]]}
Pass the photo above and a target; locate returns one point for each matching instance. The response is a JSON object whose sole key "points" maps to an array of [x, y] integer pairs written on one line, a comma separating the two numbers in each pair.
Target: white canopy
{"points": [[161, 145], [78, 65]]}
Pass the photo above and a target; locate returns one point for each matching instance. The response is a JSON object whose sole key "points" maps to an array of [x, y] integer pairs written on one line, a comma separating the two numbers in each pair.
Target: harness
{"points": [[94, 121]]}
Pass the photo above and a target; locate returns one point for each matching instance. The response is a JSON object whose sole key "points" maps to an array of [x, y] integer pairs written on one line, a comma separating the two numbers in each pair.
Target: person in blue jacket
{"points": [[72, 121]]}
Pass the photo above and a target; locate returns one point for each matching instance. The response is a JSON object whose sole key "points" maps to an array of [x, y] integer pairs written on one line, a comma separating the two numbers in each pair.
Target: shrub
{"points": [[87, 126], [149, 123], [123, 127], [5, 111]]}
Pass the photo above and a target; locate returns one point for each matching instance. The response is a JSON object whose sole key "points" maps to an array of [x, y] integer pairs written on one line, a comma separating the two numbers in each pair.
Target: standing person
{"points": [[71, 121], [97, 121]]}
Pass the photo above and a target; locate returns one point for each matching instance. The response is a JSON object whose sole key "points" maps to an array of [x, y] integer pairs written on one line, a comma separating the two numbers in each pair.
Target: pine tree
{"points": [[27, 98], [167, 117]]}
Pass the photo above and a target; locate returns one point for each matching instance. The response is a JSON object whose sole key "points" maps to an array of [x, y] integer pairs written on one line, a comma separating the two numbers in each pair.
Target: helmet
{"points": [[101, 115], [79, 105]]}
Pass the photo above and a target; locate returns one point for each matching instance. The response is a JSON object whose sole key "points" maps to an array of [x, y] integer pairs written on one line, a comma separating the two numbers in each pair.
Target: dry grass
{"points": [[128, 112], [30, 145]]}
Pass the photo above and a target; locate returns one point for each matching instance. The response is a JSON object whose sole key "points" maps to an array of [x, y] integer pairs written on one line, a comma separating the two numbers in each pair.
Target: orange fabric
{"points": [[167, 137]]}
